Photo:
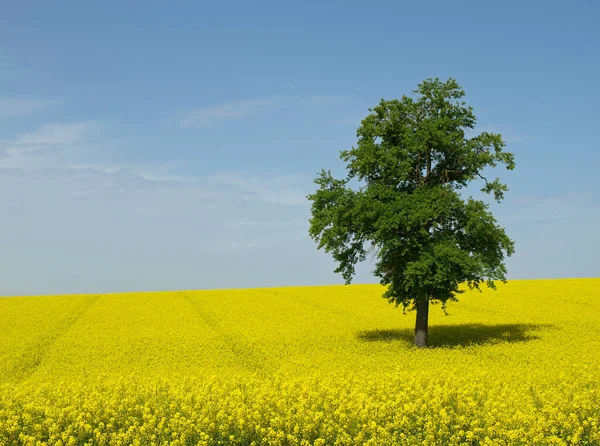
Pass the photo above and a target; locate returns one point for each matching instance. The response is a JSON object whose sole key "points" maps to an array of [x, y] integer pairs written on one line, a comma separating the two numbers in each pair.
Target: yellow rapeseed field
{"points": [[304, 365]]}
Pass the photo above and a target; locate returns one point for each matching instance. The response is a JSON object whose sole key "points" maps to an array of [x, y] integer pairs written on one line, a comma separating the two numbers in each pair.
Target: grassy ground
{"points": [[302, 365]]}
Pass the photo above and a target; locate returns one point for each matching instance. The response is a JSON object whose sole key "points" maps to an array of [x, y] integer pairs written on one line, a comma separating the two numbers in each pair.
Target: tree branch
{"points": [[482, 177]]}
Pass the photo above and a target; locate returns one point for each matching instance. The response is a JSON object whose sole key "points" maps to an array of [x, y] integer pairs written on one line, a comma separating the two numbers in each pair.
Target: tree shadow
{"points": [[462, 335]]}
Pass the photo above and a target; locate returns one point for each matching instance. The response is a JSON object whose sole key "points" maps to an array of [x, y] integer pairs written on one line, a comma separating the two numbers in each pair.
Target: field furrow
{"points": [[302, 366]]}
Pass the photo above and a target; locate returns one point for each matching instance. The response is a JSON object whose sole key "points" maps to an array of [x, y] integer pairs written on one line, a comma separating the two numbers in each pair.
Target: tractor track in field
{"points": [[29, 364], [320, 306], [243, 351]]}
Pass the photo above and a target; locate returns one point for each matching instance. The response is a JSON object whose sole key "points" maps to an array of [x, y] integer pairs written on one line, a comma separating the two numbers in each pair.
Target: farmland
{"points": [[302, 365]]}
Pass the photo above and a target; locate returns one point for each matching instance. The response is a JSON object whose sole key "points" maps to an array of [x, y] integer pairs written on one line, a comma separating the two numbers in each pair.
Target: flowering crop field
{"points": [[302, 365]]}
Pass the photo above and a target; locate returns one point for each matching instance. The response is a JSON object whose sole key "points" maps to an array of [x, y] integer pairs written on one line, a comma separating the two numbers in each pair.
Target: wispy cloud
{"points": [[290, 190], [7, 68], [268, 224], [22, 106], [316, 99], [512, 138], [70, 230], [81, 148], [552, 209], [57, 134], [209, 116], [555, 236], [353, 121], [509, 134], [77, 221], [45, 147], [14, 30]]}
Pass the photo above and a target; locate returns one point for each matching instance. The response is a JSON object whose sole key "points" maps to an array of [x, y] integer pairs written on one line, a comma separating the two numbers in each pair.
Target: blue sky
{"points": [[170, 145]]}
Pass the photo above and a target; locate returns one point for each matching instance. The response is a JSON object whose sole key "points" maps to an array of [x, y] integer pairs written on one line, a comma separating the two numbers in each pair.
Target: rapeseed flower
{"points": [[301, 366]]}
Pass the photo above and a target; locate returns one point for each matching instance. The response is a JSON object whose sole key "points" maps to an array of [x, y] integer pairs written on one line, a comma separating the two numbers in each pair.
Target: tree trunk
{"points": [[421, 325]]}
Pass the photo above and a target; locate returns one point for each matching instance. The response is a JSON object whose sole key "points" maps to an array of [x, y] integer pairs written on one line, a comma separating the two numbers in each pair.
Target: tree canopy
{"points": [[412, 158]]}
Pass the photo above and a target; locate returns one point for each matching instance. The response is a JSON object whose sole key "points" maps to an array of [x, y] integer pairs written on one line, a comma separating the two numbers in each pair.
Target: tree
{"points": [[412, 158]]}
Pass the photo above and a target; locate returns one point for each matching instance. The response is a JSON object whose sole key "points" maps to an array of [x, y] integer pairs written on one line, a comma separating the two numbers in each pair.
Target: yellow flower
{"points": [[301, 366]]}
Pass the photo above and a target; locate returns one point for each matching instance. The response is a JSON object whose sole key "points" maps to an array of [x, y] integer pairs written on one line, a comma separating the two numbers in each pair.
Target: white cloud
{"points": [[7, 68], [14, 30], [509, 134], [572, 206], [22, 106], [253, 224], [52, 145], [209, 116], [353, 121], [290, 190], [555, 236], [73, 222], [85, 230], [51, 134], [317, 99]]}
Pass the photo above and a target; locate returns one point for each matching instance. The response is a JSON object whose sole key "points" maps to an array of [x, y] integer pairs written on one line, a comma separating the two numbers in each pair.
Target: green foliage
{"points": [[412, 158]]}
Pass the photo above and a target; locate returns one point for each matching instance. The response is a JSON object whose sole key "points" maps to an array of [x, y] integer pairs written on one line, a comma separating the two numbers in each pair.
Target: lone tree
{"points": [[412, 158]]}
